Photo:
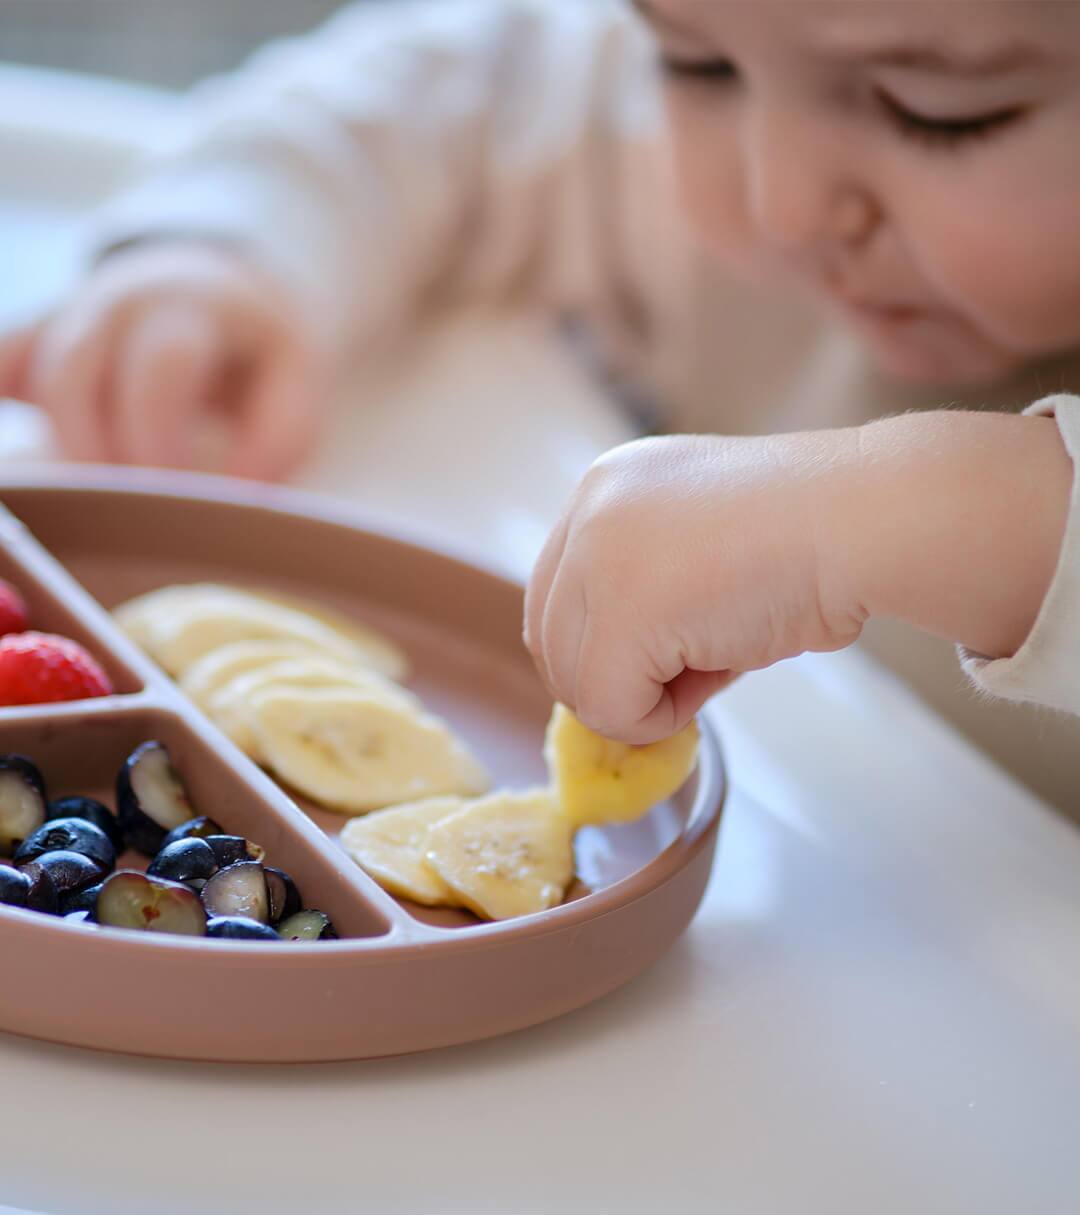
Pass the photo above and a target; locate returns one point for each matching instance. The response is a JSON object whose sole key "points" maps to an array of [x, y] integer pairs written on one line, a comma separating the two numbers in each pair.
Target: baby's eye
{"points": [[947, 130], [716, 70]]}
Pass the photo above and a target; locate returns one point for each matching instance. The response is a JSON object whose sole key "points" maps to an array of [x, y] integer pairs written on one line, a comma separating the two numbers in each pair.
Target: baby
{"points": [[913, 168]]}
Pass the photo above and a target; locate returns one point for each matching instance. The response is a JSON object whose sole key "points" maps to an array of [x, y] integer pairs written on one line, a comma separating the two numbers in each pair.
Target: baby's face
{"points": [[916, 164]]}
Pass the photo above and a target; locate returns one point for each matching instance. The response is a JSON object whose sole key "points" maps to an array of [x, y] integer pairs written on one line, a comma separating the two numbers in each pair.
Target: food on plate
{"points": [[42, 668], [150, 904], [236, 928], [179, 625], [307, 925], [150, 797], [219, 667], [231, 706], [14, 616], [22, 801], [238, 890], [506, 855], [351, 751], [199, 882], [68, 872], [191, 860], [93, 812], [305, 692], [14, 886], [511, 854], [392, 846], [599, 781], [69, 835]]}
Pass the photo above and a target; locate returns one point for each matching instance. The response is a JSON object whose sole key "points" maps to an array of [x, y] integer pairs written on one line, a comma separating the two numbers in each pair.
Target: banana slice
{"points": [[351, 751], [384, 656], [214, 670], [178, 625], [231, 706], [506, 855], [600, 781], [391, 845]]}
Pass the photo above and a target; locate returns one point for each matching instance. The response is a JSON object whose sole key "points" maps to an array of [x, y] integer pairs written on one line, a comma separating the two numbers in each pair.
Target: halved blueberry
{"points": [[93, 811], [132, 900], [307, 925], [69, 871], [184, 861], [69, 835], [14, 887], [239, 890], [81, 900], [42, 895], [22, 801], [237, 928], [150, 797], [284, 897], [232, 849], [195, 828]]}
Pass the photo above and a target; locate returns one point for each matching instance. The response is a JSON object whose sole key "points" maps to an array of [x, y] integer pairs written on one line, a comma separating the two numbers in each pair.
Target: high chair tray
{"points": [[401, 977]]}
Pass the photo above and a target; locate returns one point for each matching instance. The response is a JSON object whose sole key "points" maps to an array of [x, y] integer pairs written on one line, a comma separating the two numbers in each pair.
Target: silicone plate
{"points": [[402, 978]]}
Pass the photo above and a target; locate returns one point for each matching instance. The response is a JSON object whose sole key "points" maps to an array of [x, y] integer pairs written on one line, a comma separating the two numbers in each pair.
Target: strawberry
{"points": [[14, 617], [39, 668]]}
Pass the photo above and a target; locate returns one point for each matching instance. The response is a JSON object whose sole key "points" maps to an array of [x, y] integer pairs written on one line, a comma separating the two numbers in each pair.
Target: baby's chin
{"points": [[927, 355]]}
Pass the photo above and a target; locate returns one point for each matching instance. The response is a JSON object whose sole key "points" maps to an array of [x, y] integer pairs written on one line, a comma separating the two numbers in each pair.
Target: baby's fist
{"points": [[681, 562]]}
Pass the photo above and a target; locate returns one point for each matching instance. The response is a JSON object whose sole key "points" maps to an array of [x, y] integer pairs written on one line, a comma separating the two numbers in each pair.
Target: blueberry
{"points": [[308, 925], [239, 890], [69, 835], [81, 900], [184, 861], [130, 899], [150, 797], [69, 871], [94, 812], [22, 801], [237, 928], [232, 849], [42, 895], [14, 887], [194, 828], [284, 897]]}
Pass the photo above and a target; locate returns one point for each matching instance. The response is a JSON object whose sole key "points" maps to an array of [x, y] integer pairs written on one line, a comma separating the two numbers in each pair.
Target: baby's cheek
{"points": [[1012, 267], [712, 189]]}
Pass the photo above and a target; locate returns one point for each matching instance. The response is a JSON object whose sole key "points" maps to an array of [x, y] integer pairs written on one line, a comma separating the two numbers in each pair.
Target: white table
{"points": [[876, 1010]]}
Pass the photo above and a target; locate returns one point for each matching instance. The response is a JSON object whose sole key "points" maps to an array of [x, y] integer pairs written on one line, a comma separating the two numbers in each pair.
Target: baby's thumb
{"points": [[16, 353]]}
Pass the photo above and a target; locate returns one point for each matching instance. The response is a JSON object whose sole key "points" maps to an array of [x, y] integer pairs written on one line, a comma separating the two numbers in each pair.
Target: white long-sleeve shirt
{"points": [[414, 156]]}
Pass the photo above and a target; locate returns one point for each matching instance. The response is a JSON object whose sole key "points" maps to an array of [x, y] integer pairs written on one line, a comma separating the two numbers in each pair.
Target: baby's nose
{"points": [[805, 191]]}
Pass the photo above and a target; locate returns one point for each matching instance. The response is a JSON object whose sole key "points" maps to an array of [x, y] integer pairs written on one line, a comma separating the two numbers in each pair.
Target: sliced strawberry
{"points": [[14, 617], [39, 668]]}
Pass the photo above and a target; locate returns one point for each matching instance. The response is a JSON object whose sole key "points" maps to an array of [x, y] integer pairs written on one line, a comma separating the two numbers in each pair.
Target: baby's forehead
{"points": [[977, 32]]}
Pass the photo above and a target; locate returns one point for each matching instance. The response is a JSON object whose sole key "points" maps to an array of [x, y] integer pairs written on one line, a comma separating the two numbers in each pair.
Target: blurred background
{"points": [[155, 42]]}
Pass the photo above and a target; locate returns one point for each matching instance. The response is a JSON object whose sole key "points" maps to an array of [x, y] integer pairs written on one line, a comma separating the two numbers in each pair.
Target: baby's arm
{"points": [[450, 150], [685, 561]]}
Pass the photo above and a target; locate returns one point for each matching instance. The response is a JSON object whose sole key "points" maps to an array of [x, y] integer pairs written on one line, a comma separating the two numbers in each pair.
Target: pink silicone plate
{"points": [[402, 978]]}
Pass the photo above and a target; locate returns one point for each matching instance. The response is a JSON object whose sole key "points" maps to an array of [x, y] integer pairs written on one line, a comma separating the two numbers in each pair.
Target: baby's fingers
{"points": [[66, 376], [279, 417], [165, 375], [625, 692], [16, 349]]}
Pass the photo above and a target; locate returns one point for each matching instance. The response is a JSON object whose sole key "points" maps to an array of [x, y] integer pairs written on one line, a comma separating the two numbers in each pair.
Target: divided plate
{"points": [[402, 978]]}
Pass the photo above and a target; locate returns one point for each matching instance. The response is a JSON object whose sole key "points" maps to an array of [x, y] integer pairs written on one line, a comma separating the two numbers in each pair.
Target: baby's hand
{"points": [[158, 338], [681, 562]]}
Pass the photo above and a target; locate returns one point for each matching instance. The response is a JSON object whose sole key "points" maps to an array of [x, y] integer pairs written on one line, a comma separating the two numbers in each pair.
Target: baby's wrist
{"points": [[952, 522]]}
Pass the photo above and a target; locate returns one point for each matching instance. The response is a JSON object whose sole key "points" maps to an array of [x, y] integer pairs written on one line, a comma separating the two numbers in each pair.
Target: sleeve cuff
{"points": [[1046, 668]]}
